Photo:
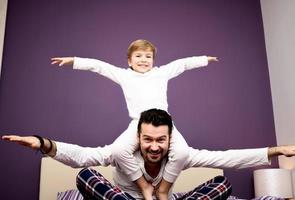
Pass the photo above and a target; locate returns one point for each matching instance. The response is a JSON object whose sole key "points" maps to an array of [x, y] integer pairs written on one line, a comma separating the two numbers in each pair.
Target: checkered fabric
{"points": [[218, 188], [92, 185]]}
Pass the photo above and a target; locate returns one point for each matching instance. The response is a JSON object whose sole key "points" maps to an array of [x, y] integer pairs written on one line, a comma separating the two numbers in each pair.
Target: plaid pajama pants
{"points": [[92, 185]]}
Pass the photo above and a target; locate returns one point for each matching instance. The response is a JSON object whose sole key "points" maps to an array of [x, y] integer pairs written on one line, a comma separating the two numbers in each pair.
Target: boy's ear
{"points": [[129, 62]]}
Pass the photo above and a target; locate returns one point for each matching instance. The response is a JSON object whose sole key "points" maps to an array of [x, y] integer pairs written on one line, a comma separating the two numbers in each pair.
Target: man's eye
{"points": [[161, 140]]}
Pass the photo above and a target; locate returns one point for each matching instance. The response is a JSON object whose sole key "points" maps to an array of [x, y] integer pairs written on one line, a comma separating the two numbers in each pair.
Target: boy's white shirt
{"points": [[77, 156], [142, 91]]}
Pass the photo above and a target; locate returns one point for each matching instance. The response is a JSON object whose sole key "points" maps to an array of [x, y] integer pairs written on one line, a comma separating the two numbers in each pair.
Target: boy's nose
{"points": [[143, 60]]}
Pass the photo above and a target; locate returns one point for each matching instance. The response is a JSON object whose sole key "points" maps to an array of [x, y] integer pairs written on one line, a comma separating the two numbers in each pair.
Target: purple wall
{"points": [[226, 105]]}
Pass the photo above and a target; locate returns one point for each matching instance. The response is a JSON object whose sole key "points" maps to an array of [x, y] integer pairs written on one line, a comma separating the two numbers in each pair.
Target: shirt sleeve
{"points": [[105, 69], [240, 158], [76, 156], [177, 67]]}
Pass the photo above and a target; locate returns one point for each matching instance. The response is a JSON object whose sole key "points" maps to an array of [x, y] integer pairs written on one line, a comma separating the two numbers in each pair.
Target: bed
{"points": [[56, 177]]}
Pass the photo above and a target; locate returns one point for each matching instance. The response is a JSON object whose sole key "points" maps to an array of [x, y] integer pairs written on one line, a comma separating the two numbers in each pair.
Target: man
{"points": [[154, 129]]}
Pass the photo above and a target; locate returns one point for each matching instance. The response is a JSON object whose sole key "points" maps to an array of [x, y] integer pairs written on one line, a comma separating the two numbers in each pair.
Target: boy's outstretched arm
{"points": [[61, 61]]}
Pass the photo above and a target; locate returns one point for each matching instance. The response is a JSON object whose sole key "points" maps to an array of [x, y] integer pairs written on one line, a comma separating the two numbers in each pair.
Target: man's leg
{"points": [[92, 185], [216, 188]]}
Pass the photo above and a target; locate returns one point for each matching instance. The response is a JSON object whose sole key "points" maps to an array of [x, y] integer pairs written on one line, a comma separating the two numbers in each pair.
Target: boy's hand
{"points": [[162, 190], [147, 192], [210, 59], [62, 61], [146, 188], [162, 196]]}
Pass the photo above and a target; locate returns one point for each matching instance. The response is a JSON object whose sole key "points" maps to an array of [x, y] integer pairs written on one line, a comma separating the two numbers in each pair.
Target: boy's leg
{"points": [[177, 157], [218, 188], [92, 185], [122, 151]]}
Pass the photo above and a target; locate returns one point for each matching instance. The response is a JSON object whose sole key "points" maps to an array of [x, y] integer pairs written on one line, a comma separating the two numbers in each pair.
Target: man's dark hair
{"points": [[156, 117]]}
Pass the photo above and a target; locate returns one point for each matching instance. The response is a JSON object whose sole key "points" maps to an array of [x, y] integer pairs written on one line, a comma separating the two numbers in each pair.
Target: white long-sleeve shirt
{"points": [[142, 91], [76, 156]]}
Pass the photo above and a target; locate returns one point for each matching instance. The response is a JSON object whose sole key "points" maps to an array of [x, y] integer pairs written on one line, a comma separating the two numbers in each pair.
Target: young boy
{"points": [[144, 87]]}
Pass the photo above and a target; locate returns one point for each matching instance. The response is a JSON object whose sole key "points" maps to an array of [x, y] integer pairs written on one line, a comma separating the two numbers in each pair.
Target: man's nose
{"points": [[154, 146]]}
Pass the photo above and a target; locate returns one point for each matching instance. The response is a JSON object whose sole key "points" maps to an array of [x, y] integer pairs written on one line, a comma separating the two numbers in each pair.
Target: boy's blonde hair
{"points": [[141, 45]]}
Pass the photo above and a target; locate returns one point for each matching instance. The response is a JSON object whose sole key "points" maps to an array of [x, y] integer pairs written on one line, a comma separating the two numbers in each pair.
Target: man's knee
{"points": [[93, 185], [82, 176], [89, 180], [221, 179], [87, 174], [224, 184], [81, 180], [218, 188]]}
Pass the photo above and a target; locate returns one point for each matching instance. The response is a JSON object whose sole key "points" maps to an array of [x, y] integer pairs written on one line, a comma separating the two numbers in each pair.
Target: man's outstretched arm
{"points": [[237, 158], [288, 150], [69, 154], [34, 142]]}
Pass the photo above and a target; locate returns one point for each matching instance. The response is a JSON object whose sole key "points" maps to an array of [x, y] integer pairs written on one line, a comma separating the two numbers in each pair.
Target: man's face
{"points": [[154, 142], [141, 61]]}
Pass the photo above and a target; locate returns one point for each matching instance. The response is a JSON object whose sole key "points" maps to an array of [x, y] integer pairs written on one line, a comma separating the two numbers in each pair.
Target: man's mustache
{"points": [[154, 152]]}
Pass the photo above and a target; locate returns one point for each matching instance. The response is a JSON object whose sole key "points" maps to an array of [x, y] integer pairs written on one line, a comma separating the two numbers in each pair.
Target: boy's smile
{"points": [[141, 61]]}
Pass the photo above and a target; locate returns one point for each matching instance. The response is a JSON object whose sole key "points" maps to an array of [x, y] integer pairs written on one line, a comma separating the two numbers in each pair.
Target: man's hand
{"points": [[281, 150], [28, 141], [61, 61], [33, 142]]}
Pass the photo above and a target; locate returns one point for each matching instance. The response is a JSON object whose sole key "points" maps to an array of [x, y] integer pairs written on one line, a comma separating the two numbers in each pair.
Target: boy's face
{"points": [[141, 61]]}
